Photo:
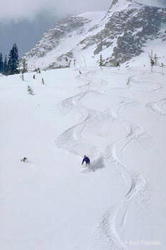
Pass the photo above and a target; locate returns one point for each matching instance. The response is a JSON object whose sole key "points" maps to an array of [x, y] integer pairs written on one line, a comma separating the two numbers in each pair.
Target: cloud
{"points": [[16, 9], [27, 9]]}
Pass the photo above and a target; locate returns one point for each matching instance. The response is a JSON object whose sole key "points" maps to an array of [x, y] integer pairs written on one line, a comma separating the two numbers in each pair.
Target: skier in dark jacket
{"points": [[86, 160]]}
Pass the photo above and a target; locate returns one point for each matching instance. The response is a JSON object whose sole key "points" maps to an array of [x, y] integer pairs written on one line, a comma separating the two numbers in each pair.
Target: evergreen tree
{"points": [[5, 66], [13, 60], [1, 63]]}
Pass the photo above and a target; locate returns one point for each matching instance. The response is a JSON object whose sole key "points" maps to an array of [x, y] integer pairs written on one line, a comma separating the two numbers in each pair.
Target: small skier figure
{"points": [[86, 160], [24, 159]]}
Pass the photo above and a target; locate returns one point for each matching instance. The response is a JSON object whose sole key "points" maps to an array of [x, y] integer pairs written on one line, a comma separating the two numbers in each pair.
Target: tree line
{"points": [[9, 64]]}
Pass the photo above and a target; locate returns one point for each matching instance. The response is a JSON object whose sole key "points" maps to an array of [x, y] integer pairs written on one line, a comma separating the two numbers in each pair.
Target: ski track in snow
{"points": [[137, 185], [71, 140], [144, 86], [158, 107]]}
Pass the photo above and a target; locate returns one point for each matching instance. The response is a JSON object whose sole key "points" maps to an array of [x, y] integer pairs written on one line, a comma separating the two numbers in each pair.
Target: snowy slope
{"points": [[115, 116]]}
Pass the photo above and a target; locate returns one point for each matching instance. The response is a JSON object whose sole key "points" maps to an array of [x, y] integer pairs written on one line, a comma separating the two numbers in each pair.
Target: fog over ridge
{"points": [[28, 9]]}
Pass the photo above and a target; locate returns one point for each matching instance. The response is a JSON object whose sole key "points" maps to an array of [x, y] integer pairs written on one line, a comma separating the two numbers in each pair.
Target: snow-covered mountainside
{"points": [[116, 116], [58, 45], [119, 35]]}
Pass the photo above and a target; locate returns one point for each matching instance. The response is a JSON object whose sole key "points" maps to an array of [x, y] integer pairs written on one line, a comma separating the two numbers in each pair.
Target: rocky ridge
{"points": [[119, 35]]}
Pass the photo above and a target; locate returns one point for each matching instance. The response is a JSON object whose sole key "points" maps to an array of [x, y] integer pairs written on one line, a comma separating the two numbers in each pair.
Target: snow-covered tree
{"points": [[30, 90], [24, 66], [43, 82], [101, 61]]}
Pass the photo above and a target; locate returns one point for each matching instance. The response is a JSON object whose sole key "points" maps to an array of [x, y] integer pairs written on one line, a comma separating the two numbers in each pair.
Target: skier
{"points": [[86, 160], [24, 159]]}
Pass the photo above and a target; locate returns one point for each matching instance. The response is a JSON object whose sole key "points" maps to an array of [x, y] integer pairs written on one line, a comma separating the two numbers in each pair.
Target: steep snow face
{"points": [[155, 3], [56, 47], [119, 35], [127, 28], [119, 5], [117, 116]]}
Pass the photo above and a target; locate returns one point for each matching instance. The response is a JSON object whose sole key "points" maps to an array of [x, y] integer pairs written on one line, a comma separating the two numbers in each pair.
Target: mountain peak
{"points": [[120, 35], [152, 3], [114, 2], [117, 5]]}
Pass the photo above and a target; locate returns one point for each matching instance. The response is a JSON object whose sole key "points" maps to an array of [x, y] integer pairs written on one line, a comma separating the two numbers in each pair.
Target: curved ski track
{"points": [[70, 140]]}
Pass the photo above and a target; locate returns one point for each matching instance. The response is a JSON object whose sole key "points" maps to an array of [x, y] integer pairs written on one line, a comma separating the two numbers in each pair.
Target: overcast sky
{"points": [[29, 8], [16, 9]]}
